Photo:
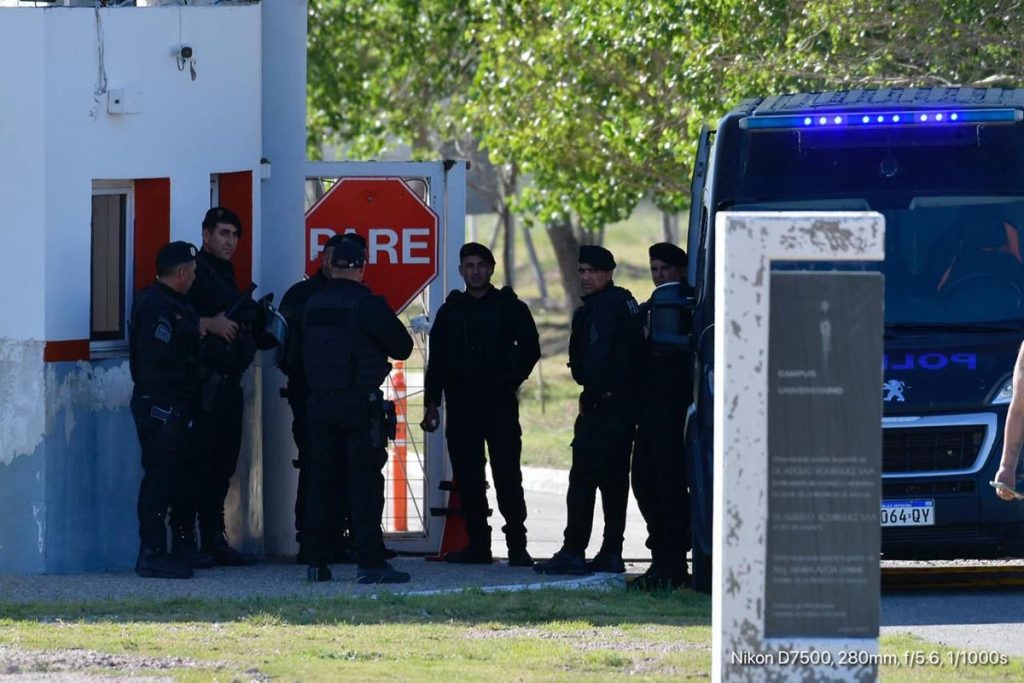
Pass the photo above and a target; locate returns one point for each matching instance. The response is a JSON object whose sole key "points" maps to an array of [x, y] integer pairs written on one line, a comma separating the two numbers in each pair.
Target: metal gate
{"points": [[417, 461]]}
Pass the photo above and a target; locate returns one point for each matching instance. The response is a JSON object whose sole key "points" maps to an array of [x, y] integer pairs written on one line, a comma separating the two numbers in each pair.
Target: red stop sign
{"points": [[399, 228]]}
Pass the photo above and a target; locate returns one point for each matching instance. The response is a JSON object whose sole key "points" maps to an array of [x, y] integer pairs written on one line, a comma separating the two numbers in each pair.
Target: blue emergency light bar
{"points": [[879, 119]]}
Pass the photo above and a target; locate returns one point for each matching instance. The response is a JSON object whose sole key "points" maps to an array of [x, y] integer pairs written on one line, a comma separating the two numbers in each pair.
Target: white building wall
{"points": [[22, 176], [184, 130], [69, 462]]}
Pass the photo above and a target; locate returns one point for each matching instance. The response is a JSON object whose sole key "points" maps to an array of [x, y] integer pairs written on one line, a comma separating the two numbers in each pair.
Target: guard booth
{"points": [[412, 215]]}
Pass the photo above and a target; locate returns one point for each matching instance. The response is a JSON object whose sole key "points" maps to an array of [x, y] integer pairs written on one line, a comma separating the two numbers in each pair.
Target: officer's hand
{"points": [[223, 327], [431, 419], [1008, 478]]}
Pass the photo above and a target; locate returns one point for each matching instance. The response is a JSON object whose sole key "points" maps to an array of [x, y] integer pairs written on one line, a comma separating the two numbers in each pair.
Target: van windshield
{"points": [[953, 201], [948, 260]]}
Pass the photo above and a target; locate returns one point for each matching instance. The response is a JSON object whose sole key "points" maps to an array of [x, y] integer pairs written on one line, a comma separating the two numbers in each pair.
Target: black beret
{"points": [[597, 257], [348, 254], [476, 249], [669, 253], [220, 214], [174, 254], [355, 237]]}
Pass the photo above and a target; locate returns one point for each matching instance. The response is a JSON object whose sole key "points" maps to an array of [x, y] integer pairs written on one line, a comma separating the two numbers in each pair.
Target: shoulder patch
{"points": [[632, 306], [163, 331]]}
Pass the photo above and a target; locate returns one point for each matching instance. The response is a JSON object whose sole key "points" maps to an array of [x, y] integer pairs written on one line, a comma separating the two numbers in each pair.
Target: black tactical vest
{"points": [[337, 354], [164, 346]]}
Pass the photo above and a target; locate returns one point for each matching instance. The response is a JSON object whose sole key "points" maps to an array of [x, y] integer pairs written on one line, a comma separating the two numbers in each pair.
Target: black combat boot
{"points": [[518, 557], [154, 564], [183, 547], [215, 544], [607, 560], [471, 554], [563, 562]]}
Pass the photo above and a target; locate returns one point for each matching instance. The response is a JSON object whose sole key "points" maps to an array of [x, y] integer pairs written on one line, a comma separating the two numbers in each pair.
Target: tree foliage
{"points": [[599, 102]]}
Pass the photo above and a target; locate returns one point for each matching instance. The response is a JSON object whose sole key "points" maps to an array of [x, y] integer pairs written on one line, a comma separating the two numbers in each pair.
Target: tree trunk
{"points": [[537, 270], [670, 226], [507, 178], [567, 247]]}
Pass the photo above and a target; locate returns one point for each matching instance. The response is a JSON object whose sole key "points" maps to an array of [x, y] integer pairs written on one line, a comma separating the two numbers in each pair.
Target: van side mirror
{"points": [[670, 319]]}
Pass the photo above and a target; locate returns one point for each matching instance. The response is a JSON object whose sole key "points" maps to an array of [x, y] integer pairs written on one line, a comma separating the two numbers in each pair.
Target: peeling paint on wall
{"points": [[22, 423], [39, 515], [87, 386]]}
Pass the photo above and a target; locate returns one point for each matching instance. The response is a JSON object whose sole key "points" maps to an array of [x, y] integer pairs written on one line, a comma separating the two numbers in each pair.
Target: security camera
{"points": [[182, 51]]}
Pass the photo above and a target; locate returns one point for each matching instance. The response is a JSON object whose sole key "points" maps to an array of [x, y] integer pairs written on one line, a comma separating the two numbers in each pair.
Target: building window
{"points": [[112, 214]]}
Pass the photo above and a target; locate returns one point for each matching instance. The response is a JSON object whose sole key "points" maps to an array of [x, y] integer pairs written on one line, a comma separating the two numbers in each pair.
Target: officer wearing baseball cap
{"points": [[343, 342], [164, 363], [297, 393], [604, 352]]}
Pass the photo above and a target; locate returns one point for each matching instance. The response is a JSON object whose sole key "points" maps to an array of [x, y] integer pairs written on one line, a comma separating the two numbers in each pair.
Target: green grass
{"points": [[550, 635], [532, 636], [547, 424]]}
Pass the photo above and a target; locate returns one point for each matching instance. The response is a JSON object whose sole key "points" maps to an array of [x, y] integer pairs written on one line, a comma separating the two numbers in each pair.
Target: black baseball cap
{"points": [[348, 254], [175, 254]]}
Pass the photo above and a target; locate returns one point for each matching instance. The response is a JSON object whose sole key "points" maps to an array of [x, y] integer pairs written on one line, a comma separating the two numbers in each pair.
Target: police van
{"points": [[945, 166]]}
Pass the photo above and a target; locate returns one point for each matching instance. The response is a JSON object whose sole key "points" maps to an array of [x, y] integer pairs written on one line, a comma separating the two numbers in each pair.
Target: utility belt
{"points": [[163, 411], [591, 400], [355, 409]]}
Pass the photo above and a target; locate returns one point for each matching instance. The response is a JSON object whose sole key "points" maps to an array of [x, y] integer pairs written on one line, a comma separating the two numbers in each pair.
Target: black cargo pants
{"points": [[164, 437], [659, 481], [601, 445], [492, 420], [342, 455]]}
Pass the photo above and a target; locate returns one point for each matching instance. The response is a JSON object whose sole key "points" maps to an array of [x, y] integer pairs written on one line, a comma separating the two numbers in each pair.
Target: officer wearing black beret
{"points": [[292, 304], [344, 339], [604, 355], [164, 363], [227, 350], [483, 345], [659, 471]]}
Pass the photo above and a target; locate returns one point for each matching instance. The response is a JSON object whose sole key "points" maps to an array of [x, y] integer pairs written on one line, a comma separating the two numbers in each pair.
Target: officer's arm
{"points": [[437, 360], [528, 344], [292, 314], [154, 330], [1013, 433], [293, 360], [384, 327]]}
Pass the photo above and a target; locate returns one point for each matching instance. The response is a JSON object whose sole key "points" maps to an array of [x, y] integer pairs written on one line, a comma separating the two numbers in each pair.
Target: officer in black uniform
{"points": [[297, 392], [483, 345], [164, 362], [227, 319], [343, 344], [604, 353], [659, 471]]}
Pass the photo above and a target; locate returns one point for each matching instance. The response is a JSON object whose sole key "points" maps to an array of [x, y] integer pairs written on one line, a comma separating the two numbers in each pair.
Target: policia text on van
{"points": [[946, 168]]}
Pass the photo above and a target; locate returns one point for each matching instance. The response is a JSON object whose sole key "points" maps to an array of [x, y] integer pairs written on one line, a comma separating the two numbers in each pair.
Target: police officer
{"points": [[345, 338], [292, 305], [483, 345], [604, 352], [659, 472], [164, 363], [227, 351]]}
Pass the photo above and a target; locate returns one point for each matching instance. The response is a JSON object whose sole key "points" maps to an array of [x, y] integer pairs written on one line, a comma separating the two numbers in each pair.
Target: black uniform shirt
{"points": [[164, 346], [348, 351], [215, 292], [480, 345], [605, 344], [292, 304]]}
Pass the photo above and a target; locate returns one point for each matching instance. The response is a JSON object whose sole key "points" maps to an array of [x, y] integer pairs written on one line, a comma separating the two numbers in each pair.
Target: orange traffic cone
{"points": [[454, 536]]}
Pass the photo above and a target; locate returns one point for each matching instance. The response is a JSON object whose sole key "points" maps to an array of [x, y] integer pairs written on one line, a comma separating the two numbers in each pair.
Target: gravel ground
{"points": [[282, 578]]}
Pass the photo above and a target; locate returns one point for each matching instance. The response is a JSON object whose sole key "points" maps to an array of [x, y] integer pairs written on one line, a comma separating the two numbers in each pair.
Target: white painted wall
{"points": [[63, 139], [22, 177]]}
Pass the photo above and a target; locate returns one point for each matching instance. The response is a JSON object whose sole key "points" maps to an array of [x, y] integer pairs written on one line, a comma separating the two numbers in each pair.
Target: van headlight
{"points": [[1005, 394]]}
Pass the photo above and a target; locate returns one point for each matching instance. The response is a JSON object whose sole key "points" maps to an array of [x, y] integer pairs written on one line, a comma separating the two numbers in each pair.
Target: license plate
{"points": [[908, 513]]}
